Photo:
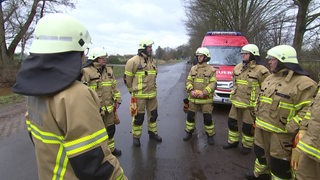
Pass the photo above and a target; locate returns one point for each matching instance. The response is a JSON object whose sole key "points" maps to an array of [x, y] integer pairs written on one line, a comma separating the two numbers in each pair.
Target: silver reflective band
{"points": [[54, 38], [244, 52], [292, 57], [275, 53]]}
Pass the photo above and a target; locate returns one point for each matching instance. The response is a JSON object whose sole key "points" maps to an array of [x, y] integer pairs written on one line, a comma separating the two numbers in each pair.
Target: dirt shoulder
{"points": [[12, 119]]}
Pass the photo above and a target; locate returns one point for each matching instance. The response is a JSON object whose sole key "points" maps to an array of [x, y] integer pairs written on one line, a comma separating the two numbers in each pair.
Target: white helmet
{"points": [[56, 33], [284, 53], [94, 53], [145, 42], [251, 48], [204, 51]]}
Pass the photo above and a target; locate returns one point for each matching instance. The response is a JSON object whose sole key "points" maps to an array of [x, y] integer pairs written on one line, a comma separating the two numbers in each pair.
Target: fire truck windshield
{"points": [[227, 56]]}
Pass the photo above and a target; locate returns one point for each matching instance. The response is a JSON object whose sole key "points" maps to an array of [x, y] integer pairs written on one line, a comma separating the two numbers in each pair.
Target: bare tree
{"points": [[307, 20], [16, 22], [251, 17]]}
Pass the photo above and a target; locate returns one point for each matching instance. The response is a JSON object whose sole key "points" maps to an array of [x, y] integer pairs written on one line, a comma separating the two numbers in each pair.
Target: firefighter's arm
{"points": [[26, 115], [209, 89], [85, 137], [116, 94], [115, 91], [189, 84], [301, 118], [129, 74], [85, 78]]}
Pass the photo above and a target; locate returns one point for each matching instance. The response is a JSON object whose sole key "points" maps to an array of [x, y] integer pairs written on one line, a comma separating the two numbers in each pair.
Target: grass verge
{"points": [[11, 99]]}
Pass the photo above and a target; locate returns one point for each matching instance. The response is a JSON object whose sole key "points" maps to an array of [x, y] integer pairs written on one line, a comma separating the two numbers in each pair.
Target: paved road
{"points": [[173, 159]]}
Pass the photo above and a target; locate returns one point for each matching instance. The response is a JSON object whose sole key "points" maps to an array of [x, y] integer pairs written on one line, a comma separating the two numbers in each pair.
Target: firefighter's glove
{"points": [[299, 135], [185, 105], [295, 156], [296, 153], [103, 110], [193, 93], [253, 127], [116, 105], [196, 93], [116, 118], [202, 95], [133, 107]]}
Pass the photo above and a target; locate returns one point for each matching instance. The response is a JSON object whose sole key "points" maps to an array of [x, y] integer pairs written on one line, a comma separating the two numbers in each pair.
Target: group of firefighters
{"points": [[73, 126], [275, 107]]}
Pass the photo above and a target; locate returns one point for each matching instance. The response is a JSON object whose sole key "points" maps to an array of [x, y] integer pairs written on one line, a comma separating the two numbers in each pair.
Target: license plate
{"points": [[225, 100]]}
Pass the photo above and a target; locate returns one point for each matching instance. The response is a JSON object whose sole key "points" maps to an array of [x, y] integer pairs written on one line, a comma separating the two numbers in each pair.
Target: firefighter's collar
{"points": [[252, 64], [287, 73], [97, 65]]}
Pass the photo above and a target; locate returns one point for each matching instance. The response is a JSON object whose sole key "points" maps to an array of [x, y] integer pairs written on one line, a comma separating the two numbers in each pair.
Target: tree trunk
{"points": [[301, 25]]}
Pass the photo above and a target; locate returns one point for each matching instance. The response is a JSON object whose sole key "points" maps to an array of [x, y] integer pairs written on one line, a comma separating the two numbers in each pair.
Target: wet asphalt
{"points": [[173, 159]]}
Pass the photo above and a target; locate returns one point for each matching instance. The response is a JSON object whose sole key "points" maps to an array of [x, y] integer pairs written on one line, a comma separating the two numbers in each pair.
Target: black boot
{"points": [[210, 140], [231, 145], [187, 137], [116, 152], [136, 142], [155, 137], [245, 150], [264, 177], [250, 176]]}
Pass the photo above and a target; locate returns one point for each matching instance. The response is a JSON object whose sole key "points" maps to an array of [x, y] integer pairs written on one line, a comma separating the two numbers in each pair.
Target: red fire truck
{"points": [[225, 50]]}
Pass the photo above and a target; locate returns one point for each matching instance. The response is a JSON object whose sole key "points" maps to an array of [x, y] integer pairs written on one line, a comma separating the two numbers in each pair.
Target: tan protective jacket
{"points": [[247, 83], [202, 77], [104, 83], [283, 101], [140, 77], [70, 137], [310, 142]]}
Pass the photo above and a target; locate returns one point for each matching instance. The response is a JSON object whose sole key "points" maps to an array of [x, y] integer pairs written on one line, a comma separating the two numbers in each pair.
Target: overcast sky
{"points": [[118, 25]]}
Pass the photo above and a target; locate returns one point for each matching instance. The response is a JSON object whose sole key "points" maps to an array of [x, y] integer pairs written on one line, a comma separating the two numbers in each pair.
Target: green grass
{"points": [[15, 98], [118, 71], [11, 99]]}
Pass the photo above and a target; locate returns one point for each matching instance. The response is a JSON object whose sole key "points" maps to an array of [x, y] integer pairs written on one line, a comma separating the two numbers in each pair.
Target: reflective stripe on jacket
{"points": [[202, 77], [247, 83], [104, 83], [140, 77], [69, 136], [310, 142], [283, 101]]}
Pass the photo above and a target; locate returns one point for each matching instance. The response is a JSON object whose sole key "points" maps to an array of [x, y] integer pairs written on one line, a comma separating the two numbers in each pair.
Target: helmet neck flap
{"points": [[48, 74]]}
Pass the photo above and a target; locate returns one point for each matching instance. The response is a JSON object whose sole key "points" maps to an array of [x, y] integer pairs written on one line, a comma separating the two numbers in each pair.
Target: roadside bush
{"points": [[312, 67], [8, 75], [113, 60]]}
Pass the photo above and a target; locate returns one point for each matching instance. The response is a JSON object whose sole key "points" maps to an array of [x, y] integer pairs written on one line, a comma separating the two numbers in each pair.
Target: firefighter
{"points": [[306, 156], [282, 103], [247, 77], [63, 114], [101, 79], [140, 79], [200, 85]]}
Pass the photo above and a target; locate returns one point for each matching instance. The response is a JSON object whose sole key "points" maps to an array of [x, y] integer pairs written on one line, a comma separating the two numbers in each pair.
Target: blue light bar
{"points": [[221, 33]]}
